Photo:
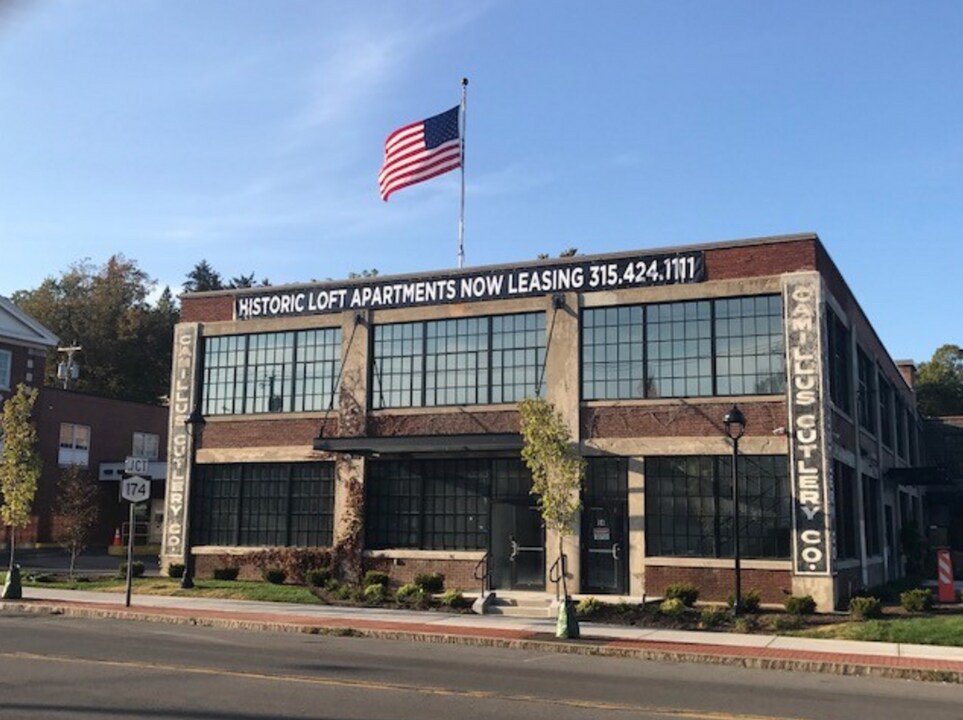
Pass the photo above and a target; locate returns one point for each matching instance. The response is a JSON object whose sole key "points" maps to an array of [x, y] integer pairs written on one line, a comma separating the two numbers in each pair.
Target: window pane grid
{"points": [[271, 372], [689, 506], [464, 361], [612, 353], [750, 356], [269, 504], [678, 349]]}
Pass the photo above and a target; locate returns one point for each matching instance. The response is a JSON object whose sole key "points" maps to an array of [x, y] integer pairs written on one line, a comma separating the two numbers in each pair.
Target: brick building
{"points": [[79, 429], [408, 385]]}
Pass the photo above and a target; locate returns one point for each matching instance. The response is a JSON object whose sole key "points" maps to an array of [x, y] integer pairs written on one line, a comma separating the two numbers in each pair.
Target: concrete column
{"points": [[636, 544], [352, 408], [561, 388]]}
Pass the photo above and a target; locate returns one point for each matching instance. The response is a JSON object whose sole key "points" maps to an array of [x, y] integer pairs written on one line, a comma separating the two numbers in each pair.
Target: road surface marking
{"points": [[686, 714]]}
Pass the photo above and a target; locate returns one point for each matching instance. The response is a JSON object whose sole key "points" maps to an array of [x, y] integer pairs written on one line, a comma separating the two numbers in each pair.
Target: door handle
{"points": [[615, 551], [514, 544]]}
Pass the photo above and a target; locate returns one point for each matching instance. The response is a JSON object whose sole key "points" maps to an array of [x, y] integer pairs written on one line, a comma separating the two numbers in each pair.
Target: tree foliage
{"points": [[77, 510], [939, 383], [126, 342], [19, 462], [557, 469], [203, 278]]}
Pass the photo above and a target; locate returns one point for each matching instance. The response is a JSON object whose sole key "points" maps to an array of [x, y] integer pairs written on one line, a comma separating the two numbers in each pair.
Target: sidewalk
{"points": [[759, 651]]}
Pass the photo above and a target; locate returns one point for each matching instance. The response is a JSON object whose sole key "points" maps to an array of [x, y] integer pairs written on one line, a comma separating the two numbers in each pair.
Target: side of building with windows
{"points": [[410, 383]]}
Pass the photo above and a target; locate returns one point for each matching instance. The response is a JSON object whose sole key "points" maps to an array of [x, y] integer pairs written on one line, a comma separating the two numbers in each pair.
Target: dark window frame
{"points": [[866, 402], [624, 348], [413, 370]]}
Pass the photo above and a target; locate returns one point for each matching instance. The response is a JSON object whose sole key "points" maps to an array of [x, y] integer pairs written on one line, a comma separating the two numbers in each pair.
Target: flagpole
{"points": [[461, 216]]}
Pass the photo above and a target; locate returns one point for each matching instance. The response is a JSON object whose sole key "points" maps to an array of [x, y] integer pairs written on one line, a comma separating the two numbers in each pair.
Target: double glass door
{"points": [[517, 547]]}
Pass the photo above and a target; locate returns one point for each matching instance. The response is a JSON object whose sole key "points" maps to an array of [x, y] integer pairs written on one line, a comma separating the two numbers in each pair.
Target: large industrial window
{"points": [[688, 506], [5, 365], [731, 346], [264, 504], [464, 361], [885, 411], [271, 372], [839, 365], [900, 429], [871, 513], [866, 393], [437, 504], [846, 511]]}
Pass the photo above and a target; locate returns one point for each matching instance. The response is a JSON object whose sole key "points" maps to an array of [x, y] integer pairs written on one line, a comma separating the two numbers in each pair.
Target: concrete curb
{"points": [[907, 669]]}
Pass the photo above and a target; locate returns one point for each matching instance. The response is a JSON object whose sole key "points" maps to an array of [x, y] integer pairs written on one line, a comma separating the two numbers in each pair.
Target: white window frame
{"points": [[5, 372], [74, 450], [141, 445]]}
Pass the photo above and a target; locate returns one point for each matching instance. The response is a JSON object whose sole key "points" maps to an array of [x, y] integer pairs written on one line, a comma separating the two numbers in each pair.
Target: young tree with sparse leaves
{"points": [[77, 510], [19, 463], [557, 471]]}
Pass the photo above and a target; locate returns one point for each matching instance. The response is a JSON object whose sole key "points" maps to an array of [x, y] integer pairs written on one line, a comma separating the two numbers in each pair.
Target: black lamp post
{"points": [[194, 423], [735, 423]]}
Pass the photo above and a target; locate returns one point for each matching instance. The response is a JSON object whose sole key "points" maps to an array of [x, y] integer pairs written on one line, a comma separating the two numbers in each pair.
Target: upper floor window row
{"points": [[463, 361], [271, 372], [731, 346]]}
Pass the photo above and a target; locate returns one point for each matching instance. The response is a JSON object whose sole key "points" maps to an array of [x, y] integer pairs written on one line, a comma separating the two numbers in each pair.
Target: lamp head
{"points": [[195, 419], [735, 423]]}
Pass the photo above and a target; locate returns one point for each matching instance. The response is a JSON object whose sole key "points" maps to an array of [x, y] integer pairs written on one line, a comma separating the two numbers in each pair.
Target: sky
{"points": [[250, 134]]}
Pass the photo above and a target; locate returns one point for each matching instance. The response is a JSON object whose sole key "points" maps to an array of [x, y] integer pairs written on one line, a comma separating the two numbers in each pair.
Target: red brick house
{"points": [[78, 429]]}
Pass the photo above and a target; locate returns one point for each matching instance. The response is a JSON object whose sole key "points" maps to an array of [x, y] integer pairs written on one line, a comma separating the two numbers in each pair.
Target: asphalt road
{"points": [[54, 667]]}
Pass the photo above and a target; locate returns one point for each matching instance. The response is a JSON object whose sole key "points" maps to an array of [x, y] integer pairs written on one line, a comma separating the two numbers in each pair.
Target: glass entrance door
{"points": [[517, 547], [603, 547]]}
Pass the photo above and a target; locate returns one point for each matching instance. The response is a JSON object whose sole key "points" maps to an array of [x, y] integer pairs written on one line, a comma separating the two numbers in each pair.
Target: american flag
{"points": [[420, 151]]}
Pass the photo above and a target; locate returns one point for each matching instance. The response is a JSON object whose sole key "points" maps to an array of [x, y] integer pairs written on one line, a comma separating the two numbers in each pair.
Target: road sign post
{"points": [[133, 490]]}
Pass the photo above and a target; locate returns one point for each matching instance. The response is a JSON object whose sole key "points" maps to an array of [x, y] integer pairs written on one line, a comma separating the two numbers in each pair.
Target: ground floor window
{"points": [[263, 504], [688, 506], [437, 504]]}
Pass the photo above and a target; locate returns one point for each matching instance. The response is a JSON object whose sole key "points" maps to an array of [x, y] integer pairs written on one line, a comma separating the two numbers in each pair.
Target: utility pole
{"points": [[68, 370]]}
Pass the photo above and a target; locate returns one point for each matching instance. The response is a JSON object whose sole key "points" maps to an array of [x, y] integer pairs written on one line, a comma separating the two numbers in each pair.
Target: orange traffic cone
{"points": [[116, 537]]}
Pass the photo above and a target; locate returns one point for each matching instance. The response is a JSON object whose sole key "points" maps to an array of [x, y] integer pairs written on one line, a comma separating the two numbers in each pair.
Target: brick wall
{"points": [[761, 260], [716, 584], [459, 574], [443, 424], [269, 432], [207, 309], [688, 420]]}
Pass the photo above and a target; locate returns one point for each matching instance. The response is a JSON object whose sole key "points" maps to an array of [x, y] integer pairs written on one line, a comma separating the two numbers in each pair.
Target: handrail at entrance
{"points": [[559, 567], [482, 572]]}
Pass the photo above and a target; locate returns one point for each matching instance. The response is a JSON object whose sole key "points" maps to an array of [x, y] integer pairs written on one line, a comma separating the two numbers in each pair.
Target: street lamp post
{"points": [[194, 423], [735, 423]]}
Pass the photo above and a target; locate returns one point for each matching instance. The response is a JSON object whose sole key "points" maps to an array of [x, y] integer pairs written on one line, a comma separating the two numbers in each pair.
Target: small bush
{"points": [[918, 600], [348, 593], [319, 577], [745, 624], [751, 600], [226, 573], [587, 607], [672, 607], [800, 605], [136, 569], [410, 594], [374, 594], [865, 608], [684, 591], [454, 599], [376, 577], [430, 582], [781, 623], [175, 570], [82, 579], [275, 575], [713, 617]]}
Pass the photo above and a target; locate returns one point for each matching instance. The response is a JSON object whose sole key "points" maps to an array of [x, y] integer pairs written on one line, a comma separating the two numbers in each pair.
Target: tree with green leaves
{"points": [[126, 341], [203, 278], [19, 462], [77, 510], [557, 471], [939, 382]]}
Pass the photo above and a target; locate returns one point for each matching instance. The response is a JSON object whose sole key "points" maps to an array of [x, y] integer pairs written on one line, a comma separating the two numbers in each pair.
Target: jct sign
{"points": [[812, 549]]}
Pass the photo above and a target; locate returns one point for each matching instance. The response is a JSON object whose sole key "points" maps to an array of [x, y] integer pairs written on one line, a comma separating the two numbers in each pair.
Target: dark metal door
{"points": [[517, 547], [604, 554]]}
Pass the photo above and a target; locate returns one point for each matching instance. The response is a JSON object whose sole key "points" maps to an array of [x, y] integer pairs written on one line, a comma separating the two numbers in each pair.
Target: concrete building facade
{"points": [[407, 387]]}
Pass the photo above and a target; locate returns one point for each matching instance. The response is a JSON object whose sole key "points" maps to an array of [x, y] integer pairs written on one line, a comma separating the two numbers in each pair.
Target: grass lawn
{"points": [[932, 630], [224, 589]]}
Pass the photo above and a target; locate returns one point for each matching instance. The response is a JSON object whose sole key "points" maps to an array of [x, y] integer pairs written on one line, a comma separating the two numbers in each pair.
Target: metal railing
{"points": [[555, 573], [482, 572]]}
